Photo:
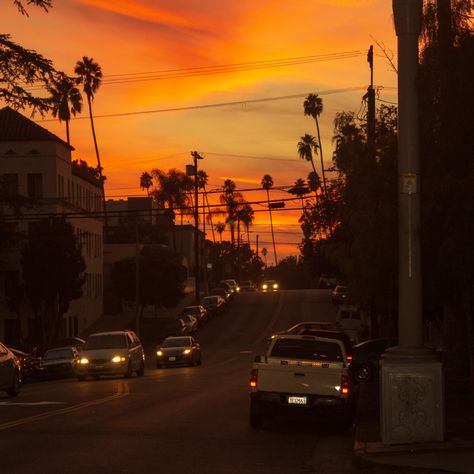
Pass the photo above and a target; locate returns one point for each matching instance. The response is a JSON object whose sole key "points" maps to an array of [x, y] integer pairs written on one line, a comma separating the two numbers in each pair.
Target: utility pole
{"points": [[371, 105], [256, 251], [196, 156], [412, 400]]}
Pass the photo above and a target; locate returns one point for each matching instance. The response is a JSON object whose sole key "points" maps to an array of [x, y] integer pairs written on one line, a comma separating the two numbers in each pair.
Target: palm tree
{"points": [[314, 183], [313, 107], [306, 146], [244, 214], [202, 181], [146, 181], [264, 253], [267, 184], [171, 192], [231, 200], [66, 99], [89, 74], [220, 227], [300, 189]]}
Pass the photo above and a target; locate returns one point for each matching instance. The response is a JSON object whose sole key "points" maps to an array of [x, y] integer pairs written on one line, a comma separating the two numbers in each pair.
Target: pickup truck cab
{"points": [[302, 376]]}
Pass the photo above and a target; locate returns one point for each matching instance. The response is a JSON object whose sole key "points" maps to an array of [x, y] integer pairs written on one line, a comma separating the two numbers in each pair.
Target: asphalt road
{"points": [[176, 420]]}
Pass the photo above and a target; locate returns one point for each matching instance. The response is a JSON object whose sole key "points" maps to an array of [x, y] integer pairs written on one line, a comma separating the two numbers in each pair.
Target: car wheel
{"points": [[363, 373], [141, 370], [256, 418], [14, 390], [129, 371]]}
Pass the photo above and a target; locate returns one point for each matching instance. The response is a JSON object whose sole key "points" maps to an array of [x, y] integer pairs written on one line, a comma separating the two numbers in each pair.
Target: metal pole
{"points": [[196, 157]]}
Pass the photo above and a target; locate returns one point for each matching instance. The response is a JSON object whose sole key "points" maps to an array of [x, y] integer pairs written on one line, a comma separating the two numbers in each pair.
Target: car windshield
{"points": [[210, 299], [176, 342], [302, 349], [106, 341], [58, 354]]}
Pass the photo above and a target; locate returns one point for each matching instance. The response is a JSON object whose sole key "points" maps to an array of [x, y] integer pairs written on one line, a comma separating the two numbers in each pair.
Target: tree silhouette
{"points": [[267, 184], [65, 100], [313, 106], [146, 182], [220, 227]]}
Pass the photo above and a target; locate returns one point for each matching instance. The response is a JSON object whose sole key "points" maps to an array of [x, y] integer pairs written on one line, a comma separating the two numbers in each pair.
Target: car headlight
{"points": [[238, 288], [264, 287], [118, 359], [84, 361], [275, 285], [187, 351], [159, 353]]}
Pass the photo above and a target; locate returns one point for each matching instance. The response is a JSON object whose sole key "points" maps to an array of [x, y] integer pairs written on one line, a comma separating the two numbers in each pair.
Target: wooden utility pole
{"points": [[196, 156]]}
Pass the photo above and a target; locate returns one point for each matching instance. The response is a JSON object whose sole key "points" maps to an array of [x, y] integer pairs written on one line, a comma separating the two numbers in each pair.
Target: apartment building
{"points": [[37, 164]]}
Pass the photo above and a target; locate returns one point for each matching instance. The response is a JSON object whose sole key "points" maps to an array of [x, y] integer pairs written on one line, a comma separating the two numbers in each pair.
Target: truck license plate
{"points": [[171, 358], [292, 400]]}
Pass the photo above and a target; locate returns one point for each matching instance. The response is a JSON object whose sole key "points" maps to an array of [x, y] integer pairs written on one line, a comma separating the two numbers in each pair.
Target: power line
{"points": [[214, 105]]}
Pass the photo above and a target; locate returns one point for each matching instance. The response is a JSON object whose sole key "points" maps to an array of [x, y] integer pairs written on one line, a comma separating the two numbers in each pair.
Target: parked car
{"points": [[178, 350], [214, 304], [247, 285], [190, 324], [297, 328], [28, 362], [339, 294], [228, 287], [10, 372], [111, 353], [233, 284], [269, 285], [173, 327], [198, 311], [76, 342], [222, 292], [61, 361], [366, 356], [327, 281]]}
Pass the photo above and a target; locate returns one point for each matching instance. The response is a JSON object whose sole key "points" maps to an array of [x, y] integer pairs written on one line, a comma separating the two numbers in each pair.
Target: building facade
{"points": [[37, 164]]}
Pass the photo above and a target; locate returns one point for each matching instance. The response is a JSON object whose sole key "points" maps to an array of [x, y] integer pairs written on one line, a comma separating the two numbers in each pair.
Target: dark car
{"points": [[198, 311], [339, 294], [247, 285], [228, 287], [177, 351], [29, 364], [297, 328], [76, 342], [366, 356], [10, 372], [214, 304], [60, 362], [172, 327], [222, 292]]}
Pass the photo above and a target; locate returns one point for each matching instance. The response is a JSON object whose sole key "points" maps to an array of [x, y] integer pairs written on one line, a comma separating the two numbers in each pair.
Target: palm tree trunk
{"points": [[67, 132], [209, 213], [321, 155], [98, 162], [271, 226]]}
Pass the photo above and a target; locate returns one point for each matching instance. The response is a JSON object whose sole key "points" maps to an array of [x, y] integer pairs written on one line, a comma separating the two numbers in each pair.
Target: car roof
{"points": [[59, 348], [188, 338], [109, 333]]}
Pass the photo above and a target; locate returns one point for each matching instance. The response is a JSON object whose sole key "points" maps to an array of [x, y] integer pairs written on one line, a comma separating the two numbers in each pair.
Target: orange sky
{"points": [[243, 141]]}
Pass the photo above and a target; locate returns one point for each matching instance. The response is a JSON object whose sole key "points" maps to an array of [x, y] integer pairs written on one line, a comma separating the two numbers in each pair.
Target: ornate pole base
{"points": [[411, 397]]}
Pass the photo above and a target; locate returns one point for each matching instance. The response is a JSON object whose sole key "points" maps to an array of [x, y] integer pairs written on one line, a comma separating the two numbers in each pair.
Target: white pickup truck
{"points": [[301, 376]]}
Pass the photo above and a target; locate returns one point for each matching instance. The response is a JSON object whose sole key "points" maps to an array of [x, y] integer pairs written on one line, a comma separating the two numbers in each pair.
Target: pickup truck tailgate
{"points": [[304, 378]]}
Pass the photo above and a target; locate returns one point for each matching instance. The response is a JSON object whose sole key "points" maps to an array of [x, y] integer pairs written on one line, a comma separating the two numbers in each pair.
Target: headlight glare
{"points": [[118, 359], [84, 361], [264, 287], [187, 351], [159, 353]]}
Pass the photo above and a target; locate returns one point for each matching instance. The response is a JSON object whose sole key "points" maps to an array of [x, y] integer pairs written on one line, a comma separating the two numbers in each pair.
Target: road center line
{"points": [[122, 391]]}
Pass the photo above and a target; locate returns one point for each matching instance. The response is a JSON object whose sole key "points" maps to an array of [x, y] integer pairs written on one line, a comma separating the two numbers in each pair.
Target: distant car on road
{"points": [[214, 304], [339, 294], [247, 285], [111, 353], [178, 350], [67, 342], [198, 311], [28, 362], [366, 356], [297, 328], [222, 292], [233, 284], [173, 327], [190, 324], [10, 372], [269, 285], [61, 361]]}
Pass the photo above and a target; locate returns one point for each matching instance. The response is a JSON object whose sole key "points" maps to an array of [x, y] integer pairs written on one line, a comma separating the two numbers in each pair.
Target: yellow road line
{"points": [[122, 391]]}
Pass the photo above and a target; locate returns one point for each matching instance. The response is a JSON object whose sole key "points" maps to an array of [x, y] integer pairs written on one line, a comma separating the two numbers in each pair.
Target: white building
{"points": [[37, 164]]}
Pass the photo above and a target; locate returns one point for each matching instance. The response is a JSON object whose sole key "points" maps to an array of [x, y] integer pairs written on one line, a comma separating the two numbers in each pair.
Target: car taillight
{"points": [[253, 378], [345, 384], [349, 358]]}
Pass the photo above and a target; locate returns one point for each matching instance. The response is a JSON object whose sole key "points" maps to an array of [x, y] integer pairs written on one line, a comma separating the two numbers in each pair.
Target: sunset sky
{"points": [[136, 41]]}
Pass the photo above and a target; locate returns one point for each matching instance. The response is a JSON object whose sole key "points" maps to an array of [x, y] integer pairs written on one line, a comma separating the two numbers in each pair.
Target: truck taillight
{"points": [[345, 384], [253, 378]]}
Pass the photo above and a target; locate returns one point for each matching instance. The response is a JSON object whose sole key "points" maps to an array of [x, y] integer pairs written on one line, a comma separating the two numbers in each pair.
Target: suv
{"points": [[111, 353]]}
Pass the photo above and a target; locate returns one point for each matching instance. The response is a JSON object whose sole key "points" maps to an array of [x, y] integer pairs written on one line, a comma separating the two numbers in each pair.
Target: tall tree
{"points": [[230, 199], [52, 249], [172, 192], [313, 106], [89, 75], [306, 146], [203, 178], [66, 100], [220, 227], [267, 184], [146, 182]]}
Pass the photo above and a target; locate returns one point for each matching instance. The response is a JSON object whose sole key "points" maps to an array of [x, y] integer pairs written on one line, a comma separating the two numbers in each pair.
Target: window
{"points": [[35, 185], [307, 350], [10, 183]]}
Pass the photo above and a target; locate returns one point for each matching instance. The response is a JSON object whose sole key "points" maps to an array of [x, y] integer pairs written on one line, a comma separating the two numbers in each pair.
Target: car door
{"points": [[5, 367]]}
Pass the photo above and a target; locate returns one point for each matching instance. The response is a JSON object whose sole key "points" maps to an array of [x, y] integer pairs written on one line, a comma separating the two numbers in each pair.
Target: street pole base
{"points": [[411, 400]]}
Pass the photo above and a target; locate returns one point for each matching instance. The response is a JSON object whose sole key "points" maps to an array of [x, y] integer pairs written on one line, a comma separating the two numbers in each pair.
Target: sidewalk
{"points": [[455, 454]]}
